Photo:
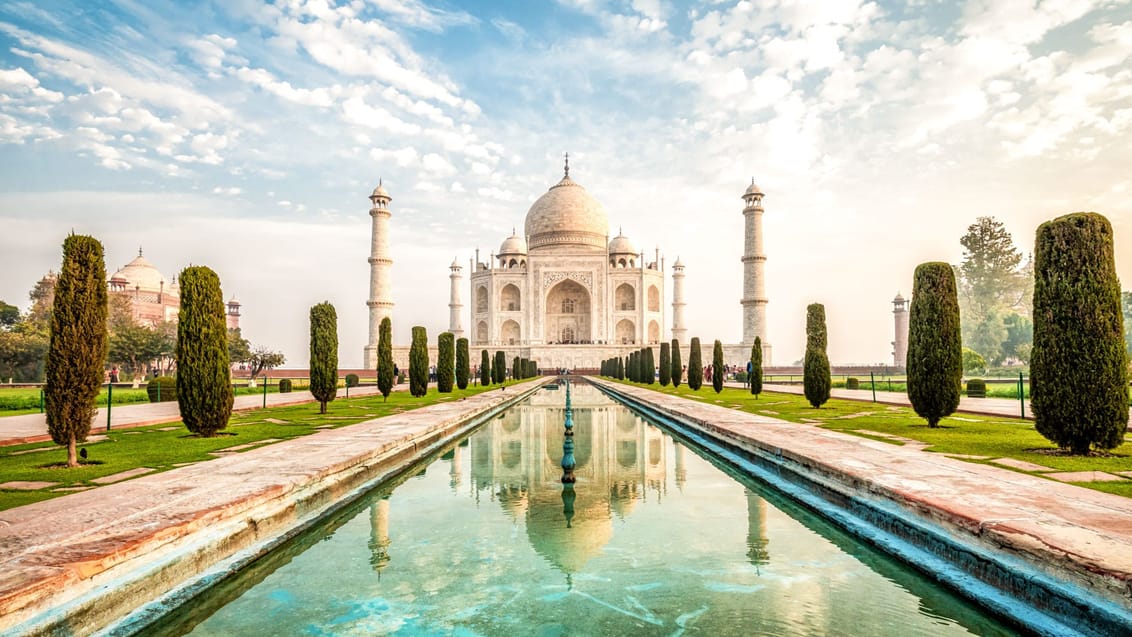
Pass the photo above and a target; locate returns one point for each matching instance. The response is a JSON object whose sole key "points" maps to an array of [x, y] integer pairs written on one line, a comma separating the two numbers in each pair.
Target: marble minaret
{"points": [[380, 301], [455, 306], [679, 331], [754, 259], [900, 342]]}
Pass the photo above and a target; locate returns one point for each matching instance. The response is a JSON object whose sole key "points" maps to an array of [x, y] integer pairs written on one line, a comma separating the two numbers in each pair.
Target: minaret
{"points": [[455, 306], [900, 344], [232, 317], [679, 332], [754, 287], [380, 304]]}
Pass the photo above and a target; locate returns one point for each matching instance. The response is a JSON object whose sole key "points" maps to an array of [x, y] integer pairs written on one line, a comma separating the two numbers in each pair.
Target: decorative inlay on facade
{"points": [[551, 278]]}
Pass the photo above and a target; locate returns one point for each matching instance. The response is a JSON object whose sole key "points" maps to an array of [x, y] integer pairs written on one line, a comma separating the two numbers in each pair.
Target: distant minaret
{"points": [[679, 332], [380, 304], [900, 318], [455, 306], [232, 317], [754, 286]]}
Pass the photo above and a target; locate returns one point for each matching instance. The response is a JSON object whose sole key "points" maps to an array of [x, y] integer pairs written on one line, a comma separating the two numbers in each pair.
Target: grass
{"points": [[125, 449], [17, 401], [961, 434]]}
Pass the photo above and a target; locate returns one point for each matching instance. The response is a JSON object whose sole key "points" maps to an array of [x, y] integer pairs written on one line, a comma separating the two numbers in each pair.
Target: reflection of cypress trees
{"points": [[454, 472], [757, 540], [681, 469], [379, 535]]}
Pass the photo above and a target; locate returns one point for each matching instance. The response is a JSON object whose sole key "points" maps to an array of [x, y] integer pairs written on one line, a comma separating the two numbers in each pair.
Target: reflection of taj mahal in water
{"points": [[620, 460]]}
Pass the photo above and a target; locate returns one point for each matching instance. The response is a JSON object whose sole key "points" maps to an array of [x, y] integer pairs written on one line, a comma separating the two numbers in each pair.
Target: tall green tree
{"points": [[665, 364], [1019, 337], [239, 348], [499, 367], [418, 362], [816, 378], [992, 281], [77, 349], [1079, 369], [717, 367], [324, 354], [463, 366], [132, 346], [385, 358], [9, 315], [1126, 301], [677, 366], [620, 374], [485, 369], [935, 348], [695, 366], [516, 371], [445, 362], [756, 376], [204, 393]]}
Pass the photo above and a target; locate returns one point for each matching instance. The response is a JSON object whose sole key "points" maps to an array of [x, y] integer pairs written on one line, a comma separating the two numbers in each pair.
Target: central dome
{"points": [[566, 215]]}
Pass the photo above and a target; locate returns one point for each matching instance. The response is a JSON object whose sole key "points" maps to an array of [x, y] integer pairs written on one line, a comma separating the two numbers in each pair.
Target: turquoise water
{"points": [[651, 540]]}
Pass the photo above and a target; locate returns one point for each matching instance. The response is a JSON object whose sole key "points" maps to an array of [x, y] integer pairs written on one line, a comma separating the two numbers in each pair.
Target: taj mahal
{"points": [[565, 293]]}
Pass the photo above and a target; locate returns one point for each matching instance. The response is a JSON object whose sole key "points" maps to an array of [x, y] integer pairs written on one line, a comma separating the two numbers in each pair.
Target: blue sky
{"points": [[246, 136]]}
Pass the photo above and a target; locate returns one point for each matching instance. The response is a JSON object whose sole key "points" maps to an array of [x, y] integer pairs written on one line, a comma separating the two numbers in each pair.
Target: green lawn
{"points": [[961, 434], [126, 449], [16, 401]]}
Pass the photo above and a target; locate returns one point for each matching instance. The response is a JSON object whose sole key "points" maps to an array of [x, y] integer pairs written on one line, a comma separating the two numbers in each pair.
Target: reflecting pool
{"points": [[651, 540]]}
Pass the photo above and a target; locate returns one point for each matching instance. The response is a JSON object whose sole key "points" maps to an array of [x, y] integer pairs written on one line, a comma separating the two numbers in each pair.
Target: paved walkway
{"points": [[17, 430]]}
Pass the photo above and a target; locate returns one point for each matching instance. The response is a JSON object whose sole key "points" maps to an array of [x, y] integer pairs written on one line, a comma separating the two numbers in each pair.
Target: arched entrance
{"points": [[509, 334], [568, 314]]}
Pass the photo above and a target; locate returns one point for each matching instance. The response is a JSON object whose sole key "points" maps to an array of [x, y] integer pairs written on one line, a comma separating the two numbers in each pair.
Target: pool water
{"points": [[651, 540]]}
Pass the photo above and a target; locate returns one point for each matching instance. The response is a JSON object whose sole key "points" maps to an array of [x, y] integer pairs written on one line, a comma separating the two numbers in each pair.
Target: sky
{"points": [[246, 136]]}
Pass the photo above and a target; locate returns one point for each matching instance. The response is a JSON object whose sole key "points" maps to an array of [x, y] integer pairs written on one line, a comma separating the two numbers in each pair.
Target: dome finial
{"points": [[139, 251], [567, 168]]}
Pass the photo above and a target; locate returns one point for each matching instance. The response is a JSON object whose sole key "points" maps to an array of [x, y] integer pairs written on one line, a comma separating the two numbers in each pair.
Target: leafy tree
{"points": [[665, 364], [445, 362], [324, 354], [485, 369], [499, 367], [385, 358], [756, 375], [973, 362], [463, 367], [935, 356], [22, 353], [418, 362], [1019, 337], [203, 369], [695, 367], [77, 349], [987, 336], [9, 316], [263, 359], [816, 378], [132, 346], [677, 367], [992, 282], [239, 349], [1079, 369]]}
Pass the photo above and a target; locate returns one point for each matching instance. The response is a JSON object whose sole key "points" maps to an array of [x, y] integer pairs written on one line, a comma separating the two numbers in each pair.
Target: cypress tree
{"points": [[632, 371], [695, 367], [499, 367], [815, 370], [665, 364], [1079, 373], [620, 374], [462, 365], [445, 362], [650, 367], [324, 353], [516, 371], [677, 365], [78, 344], [756, 376], [935, 349], [385, 358], [204, 394], [418, 362], [717, 367], [485, 369]]}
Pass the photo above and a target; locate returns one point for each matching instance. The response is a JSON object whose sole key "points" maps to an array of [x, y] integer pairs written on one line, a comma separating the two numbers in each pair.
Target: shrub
{"points": [[717, 367], [77, 347], [418, 362], [485, 369], [976, 388], [385, 358], [445, 362], [757, 367], [162, 389], [741, 377], [285, 386], [665, 364], [816, 378], [352, 380], [973, 362], [463, 366], [1078, 366], [695, 367], [203, 393], [401, 378], [677, 366], [324, 354], [935, 356], [852, 383]]}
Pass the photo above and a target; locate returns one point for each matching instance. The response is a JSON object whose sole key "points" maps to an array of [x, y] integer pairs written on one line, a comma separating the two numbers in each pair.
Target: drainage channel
{"points": [[1020, 593]]}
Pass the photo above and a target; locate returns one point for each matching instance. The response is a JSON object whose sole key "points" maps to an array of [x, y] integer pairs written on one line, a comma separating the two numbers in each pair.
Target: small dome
{"points": [[141, 274], [752, 189], [678, 264], [513, 245], [567, 215], [380, 191], [233, 301], [899, 298], [621, 245]]}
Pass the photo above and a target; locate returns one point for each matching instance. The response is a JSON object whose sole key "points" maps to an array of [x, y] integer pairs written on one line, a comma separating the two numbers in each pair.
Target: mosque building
{"points": [[565, 293]]}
